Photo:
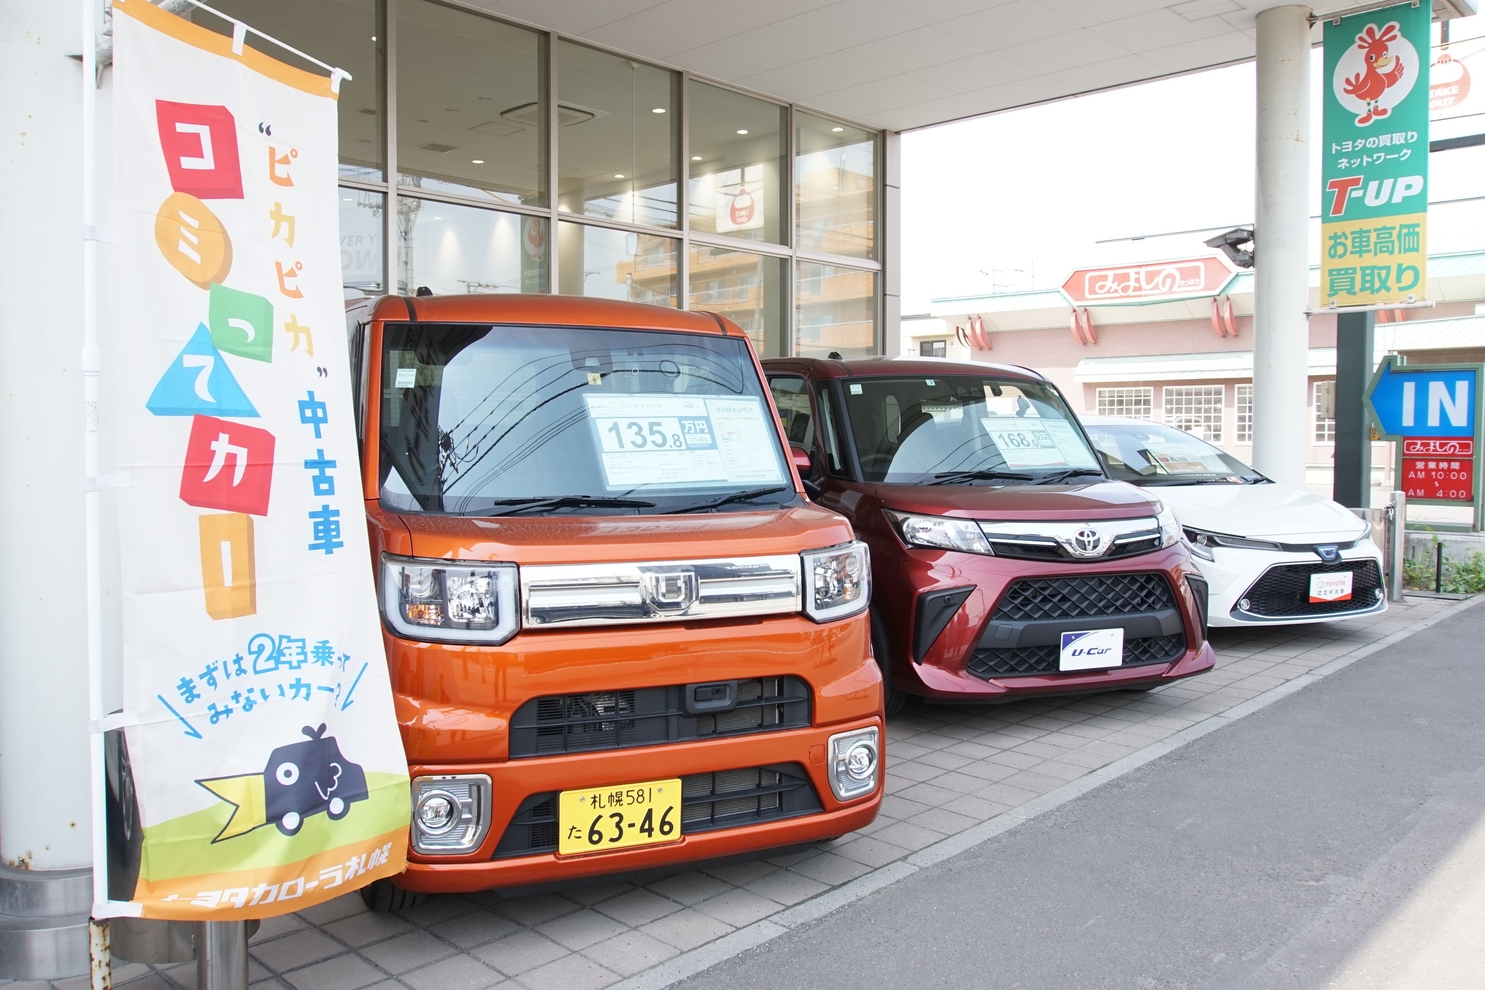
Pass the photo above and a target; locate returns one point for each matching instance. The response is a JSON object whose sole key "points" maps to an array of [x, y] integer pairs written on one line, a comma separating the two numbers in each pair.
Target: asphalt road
{"points": [[1297, 848]]}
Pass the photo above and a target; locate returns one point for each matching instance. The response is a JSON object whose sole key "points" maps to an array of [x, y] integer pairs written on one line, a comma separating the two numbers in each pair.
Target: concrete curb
{"points": [[690, 963]]}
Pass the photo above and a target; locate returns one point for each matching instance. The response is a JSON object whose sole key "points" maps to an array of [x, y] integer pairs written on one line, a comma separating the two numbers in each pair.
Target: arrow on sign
{"points": [[1424, 400]]}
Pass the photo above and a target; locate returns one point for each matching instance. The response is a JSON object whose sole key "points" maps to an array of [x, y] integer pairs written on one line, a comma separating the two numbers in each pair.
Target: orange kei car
{"points": [[620, 637]]}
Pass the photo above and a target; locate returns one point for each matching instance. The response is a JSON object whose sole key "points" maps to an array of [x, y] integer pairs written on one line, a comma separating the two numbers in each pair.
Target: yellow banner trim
{"points": [[220, 44]]}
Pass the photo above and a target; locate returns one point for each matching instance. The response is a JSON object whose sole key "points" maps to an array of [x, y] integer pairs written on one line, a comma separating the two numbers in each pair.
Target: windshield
{"points": [[1147, 454], [509, 420], [965, 429]]}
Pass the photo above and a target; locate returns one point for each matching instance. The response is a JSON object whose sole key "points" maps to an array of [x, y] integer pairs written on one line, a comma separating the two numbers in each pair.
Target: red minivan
{"points": [[1005, 563]]}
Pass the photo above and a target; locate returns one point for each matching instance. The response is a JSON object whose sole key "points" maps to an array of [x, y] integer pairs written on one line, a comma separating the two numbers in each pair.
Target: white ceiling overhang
{"points": [[900, 64]]}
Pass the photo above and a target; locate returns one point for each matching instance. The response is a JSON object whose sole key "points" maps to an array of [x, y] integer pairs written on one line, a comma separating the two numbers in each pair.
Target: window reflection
{"points": [[460, 249], [617, 264], [746, 288], [340, 32], [737, 154], [835, 187], [617, 136], [470, 117], [836, 310]]}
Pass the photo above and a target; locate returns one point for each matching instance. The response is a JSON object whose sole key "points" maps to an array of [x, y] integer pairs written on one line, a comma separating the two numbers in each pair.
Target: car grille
{"points": [[1084, 597], [1283, 591], [1045, 659], [723, 799], [1036, 551], [584, 723]]}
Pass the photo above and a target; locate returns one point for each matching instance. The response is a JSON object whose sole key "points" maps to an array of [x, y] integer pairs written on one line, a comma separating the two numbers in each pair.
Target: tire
{"points": [[385, 896], [893, 700]]}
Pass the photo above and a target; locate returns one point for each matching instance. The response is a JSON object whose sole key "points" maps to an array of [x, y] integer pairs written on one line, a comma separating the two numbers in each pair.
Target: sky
{"points": [[1019, 199]]}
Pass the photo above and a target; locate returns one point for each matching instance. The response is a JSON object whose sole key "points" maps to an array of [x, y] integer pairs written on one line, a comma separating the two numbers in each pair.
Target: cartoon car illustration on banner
{"points": [[300, 780]]}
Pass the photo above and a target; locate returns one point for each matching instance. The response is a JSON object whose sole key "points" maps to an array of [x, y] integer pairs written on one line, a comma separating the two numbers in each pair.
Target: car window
{"points": [[964, 429], [1147, 453], [793, 400], [830, 431]]}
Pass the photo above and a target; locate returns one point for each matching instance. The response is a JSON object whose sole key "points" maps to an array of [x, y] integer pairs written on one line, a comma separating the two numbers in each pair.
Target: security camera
{"points": [[1232, 244]]}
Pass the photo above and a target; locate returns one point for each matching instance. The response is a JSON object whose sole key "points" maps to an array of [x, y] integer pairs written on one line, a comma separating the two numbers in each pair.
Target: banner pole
{"points": [[101, 962]]}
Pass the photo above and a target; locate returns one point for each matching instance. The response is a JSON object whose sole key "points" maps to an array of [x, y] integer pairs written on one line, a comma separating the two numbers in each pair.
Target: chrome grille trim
{"points": [[629, 593], [1060, 534]]}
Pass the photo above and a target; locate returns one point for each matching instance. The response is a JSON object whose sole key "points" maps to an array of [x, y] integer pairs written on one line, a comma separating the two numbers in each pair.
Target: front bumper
{"points": [[517, 780], [1236, 571], [945, 670]]}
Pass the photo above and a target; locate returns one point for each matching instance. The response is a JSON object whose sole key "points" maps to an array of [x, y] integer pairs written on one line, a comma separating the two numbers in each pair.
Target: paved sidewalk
{"points": [[948, 769]]}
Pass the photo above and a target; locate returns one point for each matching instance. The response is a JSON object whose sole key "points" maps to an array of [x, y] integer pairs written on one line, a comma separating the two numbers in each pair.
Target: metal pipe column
{"points": [[1281, 269], [221, 956]]}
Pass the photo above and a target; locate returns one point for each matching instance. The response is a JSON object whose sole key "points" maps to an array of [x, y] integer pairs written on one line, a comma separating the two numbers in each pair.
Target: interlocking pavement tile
{"points": [[686, 929], [942, 821], [738, 874], [581, 928], [590, 894], [829, 868], [273, 927], [1011, 758], [975, 807], [333, 910], [347, 972], [455, 973], [298, 949], [515, 954], [533, 909], [929, 795], [913, 770], [367, 927], [431, 910], [183, 976], [405, 952], [474, 929], [910, 837], [123, 972], [738, 907], [870, 851], [638, 907], [569, 973], [630, 953], [899, 808], [787, 886], [148, 981], [688, 888]]}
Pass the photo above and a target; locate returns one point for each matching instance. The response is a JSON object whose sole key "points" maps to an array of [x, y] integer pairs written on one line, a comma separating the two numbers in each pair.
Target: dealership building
{"points": [[701, 154]]}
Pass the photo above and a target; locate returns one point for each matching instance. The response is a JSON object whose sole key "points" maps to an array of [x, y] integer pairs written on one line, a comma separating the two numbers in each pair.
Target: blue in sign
{"points": [[1424, 402]]}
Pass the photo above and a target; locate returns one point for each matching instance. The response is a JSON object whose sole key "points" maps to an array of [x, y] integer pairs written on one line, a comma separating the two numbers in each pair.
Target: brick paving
{"points": [[948, 768]]}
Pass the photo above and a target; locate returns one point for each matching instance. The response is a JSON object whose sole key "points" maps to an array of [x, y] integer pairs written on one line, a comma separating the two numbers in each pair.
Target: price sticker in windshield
{"points": [[1024, 444], [624, 434], [655, 439]]}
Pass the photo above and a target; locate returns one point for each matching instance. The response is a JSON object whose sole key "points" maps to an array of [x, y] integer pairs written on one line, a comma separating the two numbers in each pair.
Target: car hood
{"points": [[1270, 511], [1101, 500]]}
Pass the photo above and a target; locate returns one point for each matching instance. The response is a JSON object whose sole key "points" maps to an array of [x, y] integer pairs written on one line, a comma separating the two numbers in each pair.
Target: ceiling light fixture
{"points": [[696, 158], [837, 130], [658, 110], [742, 130], [476, 161], [618, 175]]}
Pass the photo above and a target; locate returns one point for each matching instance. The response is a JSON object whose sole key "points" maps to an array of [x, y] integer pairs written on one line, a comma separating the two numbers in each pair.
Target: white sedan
{"points": [[1271, 555]]}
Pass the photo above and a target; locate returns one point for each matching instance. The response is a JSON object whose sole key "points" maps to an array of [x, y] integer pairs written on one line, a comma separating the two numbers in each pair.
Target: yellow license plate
{"points": [[618, 816]]}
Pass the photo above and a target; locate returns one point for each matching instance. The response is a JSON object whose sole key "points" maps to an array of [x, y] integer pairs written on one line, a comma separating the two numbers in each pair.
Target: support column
{"points": [[1281, 269], [1353, 441], [889, 340]]}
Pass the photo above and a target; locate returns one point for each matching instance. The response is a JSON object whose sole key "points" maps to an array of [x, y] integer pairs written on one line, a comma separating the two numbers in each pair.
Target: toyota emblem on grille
{"points": [[1087, 542], [670, 591], [1329, 554]]}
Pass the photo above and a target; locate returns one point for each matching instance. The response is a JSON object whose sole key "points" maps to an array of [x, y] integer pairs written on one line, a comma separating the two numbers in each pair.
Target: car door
{"points": [[810, 422]]}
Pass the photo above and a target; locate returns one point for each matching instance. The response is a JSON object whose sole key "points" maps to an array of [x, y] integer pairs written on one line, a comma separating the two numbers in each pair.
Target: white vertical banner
{"points": [[267, 763]]}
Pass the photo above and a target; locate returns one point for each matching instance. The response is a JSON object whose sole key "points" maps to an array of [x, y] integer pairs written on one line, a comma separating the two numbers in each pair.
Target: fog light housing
{"points": [[1245, 605], [451, 814], [855, 763]]}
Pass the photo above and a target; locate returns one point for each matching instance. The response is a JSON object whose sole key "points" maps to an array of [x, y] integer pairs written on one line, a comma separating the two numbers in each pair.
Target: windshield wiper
{"points": [[568, 502], [729, 499], [1053, 479], [954, 477], [1229, 479]]}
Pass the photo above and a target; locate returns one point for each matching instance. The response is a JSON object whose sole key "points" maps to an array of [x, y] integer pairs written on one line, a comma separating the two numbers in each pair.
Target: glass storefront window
{"points": [[341, 32], [835, 310], [617, 137], [835, 187], [361, 274], [617, 264], [471, 118], [459, 249], [737, 156], [746, 288]]}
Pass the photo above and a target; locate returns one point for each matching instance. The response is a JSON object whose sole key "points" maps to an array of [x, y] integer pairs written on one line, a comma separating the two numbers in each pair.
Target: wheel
{"points": [[337, 809], [385, 896], [893, 700], [291, 823]]}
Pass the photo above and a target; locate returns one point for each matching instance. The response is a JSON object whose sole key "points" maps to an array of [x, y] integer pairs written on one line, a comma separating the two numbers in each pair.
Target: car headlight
{"points": [[450, 814], [449, 602], [837, 581], [1170, 529], [855, 761], [1203, 542], [941, 532]]}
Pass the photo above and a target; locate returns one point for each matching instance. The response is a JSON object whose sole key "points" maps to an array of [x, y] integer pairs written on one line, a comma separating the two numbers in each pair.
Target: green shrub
{"points": [[1461, 577]]}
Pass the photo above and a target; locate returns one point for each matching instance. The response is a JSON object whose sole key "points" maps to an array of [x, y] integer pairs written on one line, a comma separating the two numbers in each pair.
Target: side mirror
{"points": [[802, 460]]}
